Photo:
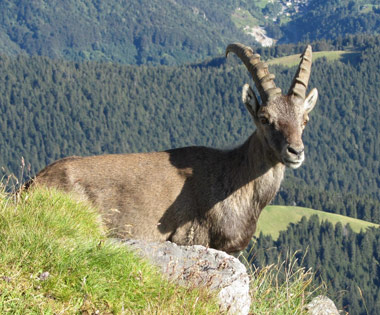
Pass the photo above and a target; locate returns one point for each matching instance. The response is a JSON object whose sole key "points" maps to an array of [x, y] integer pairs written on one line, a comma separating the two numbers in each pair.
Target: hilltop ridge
{"points": [[171, 32]]}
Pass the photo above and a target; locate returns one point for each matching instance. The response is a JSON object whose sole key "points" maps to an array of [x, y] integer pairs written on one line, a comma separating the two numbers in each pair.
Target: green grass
{"points": [[282, 289], [47, 232], [261, 3], [293, 60], [242, 18], [274, 219], [369, 8]]}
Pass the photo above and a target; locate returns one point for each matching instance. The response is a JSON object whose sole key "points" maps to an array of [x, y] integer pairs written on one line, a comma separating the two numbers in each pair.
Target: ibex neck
{"points": [[254, 161], [250, 180]]}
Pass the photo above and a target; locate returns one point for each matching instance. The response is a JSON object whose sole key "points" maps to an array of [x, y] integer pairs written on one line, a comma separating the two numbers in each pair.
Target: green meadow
{"points": [[274, 219], [293, 60]]}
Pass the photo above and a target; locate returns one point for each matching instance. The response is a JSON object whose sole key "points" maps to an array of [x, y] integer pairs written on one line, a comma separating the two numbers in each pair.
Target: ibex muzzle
{"points": [[199, 195]]}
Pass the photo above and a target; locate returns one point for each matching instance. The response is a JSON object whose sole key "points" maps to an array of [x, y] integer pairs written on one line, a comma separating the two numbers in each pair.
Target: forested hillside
{"points": [[342, 141], [134, 32], [347, 262], [329, 19], [171, 32]]}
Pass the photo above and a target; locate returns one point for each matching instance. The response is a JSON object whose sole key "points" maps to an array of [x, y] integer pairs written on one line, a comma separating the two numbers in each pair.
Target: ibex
{"points": [[199, 195]]}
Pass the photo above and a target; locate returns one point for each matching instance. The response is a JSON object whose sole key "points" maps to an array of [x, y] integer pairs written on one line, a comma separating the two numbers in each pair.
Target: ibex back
{"points": [[199, 195]]}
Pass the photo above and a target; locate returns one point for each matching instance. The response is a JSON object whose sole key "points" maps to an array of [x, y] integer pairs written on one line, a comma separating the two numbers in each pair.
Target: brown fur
{"points": [[192, 195]]}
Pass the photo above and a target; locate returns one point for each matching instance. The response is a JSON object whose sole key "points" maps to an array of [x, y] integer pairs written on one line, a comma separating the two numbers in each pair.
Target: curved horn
{"points": [[258, 69], [301, 78]]}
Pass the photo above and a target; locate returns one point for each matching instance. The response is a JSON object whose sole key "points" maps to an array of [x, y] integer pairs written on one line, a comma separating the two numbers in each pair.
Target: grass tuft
{"points": [[55, 258], [282, 288]]}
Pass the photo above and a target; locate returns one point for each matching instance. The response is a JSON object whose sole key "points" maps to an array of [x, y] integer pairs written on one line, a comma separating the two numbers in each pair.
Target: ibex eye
{"points": [[264, 121]]}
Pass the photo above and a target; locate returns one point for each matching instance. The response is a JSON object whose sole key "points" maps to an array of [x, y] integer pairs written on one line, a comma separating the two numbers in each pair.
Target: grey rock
{"points": [[44, 276], [198, 266], [322, 305], [6, 279]]}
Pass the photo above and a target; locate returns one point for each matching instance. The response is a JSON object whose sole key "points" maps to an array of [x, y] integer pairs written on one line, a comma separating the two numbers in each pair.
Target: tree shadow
{"points": [[350, 58]]}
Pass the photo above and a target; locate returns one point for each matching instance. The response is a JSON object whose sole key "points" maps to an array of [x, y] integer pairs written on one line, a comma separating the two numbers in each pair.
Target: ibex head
{"points": [[280, 119]]}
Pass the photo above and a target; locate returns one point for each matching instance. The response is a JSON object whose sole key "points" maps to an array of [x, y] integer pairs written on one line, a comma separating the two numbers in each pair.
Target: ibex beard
{"points": [[199, 195]]}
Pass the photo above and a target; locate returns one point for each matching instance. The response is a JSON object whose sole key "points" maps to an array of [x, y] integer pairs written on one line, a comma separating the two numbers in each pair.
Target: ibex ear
{"points": [[310, 101], [250, 100]]}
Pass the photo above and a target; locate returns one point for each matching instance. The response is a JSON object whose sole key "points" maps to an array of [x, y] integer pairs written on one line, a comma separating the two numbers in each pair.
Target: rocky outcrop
{"points": [[198, 266], [322, 305]]}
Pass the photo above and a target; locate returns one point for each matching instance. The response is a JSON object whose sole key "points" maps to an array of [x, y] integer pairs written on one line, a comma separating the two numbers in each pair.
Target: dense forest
{"points": [[347, 263], [133, 32], [332, 19], [169, 32]]}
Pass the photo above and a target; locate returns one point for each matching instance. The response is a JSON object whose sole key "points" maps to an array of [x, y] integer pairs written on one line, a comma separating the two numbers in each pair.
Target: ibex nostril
{"points": [[295, 151]]}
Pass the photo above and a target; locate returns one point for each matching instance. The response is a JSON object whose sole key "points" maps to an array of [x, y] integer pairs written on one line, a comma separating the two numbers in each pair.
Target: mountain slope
{"points": [[331, 19], [134, 32], [171, 32]]}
